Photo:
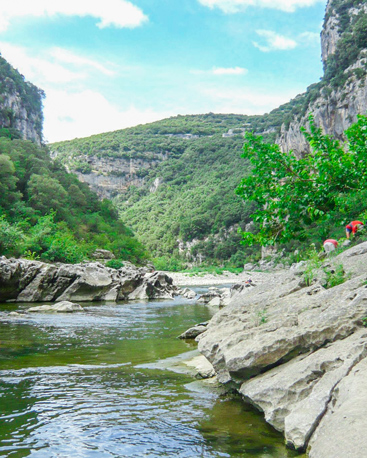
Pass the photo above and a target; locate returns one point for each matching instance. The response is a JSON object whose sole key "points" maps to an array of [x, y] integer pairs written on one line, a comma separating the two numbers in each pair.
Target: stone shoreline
{"points": [[184, 279]]}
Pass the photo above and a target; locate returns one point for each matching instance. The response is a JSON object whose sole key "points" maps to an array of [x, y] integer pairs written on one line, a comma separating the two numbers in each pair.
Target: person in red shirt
{"points": [[353, 227]]}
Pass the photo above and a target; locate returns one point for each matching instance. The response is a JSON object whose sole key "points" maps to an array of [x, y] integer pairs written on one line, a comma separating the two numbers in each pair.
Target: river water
{"points": [[86, 385]]}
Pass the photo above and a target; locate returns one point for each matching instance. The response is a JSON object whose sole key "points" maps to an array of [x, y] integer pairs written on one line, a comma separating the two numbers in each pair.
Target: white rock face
{"points": [[290, 351], [27, 122], [108, 176]]}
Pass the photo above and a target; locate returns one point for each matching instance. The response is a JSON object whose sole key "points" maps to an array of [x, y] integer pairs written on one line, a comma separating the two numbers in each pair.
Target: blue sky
{"points": [[114, 63]]}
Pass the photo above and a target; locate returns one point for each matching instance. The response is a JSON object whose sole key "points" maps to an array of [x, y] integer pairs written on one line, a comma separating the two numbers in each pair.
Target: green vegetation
{"points": [[316, 194], [47, 214], [198, 175]]}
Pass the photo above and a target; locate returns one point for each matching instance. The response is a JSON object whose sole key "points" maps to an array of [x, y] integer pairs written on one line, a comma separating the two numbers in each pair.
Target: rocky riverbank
{"points": [[22, 280], [297, 351], [187, 279]]}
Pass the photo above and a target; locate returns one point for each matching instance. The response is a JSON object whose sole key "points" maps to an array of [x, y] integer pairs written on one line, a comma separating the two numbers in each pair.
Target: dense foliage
{"points": [[47, 213], [322, 191], [12, 82], [195, 202]]}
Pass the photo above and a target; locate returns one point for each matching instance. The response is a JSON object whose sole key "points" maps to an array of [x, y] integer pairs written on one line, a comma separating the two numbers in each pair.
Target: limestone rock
{"points": [[22, 280], [60, 307], [341, 432], [188, 293], [193, 332], [294, 396], [103, 254], [293, 350], [202, 366]]}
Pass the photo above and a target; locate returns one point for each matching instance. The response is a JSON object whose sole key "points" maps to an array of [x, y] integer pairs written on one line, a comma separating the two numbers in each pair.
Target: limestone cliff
{"points": [[20, 105], [108, 176], [336, 101]]}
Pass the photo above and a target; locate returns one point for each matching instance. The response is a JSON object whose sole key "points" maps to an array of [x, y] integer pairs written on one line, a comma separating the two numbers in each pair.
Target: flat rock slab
{"points": [[60, 307], [342, 431], [295, 396], [202, 366]]}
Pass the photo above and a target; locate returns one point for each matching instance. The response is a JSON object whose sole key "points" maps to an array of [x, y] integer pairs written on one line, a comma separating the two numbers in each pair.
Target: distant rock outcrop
{"points": [[22, 280]]}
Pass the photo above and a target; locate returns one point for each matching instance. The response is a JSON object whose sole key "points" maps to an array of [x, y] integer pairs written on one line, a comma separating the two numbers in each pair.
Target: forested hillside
{"points": [[181, 186], [46, 212]]}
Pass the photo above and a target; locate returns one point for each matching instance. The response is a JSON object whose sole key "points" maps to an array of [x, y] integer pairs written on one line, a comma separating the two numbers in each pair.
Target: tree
{"points": [[295, 193], [46, 194], [8, 181]]}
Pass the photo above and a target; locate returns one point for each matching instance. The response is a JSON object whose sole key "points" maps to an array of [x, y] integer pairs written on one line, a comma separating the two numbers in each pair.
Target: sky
{"points": [[106, 65]]}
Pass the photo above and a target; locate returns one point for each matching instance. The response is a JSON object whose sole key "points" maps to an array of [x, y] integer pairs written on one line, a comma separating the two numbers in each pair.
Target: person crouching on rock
{"points": [[330, 245], [352, 227]]}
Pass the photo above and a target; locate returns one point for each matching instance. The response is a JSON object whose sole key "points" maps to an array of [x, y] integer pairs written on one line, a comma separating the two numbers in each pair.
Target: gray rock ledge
{"points": [[298, 353]]}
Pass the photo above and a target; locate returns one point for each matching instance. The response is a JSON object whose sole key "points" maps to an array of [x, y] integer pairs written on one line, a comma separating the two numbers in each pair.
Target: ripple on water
{"points": [[84, 385]]}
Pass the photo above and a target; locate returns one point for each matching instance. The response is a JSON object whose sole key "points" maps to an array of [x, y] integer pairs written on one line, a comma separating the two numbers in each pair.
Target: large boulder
{"points": [[22, 280]]}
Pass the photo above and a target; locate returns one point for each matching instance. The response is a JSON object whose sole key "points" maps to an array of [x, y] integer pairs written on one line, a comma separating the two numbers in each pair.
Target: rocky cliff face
{"points": [[337, 105], [20, 104], [109, 176]]}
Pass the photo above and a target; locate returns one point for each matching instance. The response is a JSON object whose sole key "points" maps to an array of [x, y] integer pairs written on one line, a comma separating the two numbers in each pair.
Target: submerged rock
{"points": [[22, 280], [193, 332], [188, 293], [60, 307]]}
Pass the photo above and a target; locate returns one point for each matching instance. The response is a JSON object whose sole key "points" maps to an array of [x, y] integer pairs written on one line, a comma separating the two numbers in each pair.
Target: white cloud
{"points": [[309, 37], [248, 101], [236, 6], [229, 71], [274, 41], [221, 71], [55, 66], [109, 13], [81, 114], [67, 57], [38, 69]]}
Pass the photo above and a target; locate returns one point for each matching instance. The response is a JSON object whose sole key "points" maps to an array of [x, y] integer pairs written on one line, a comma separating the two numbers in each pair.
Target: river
{"points": [[86, 385]]}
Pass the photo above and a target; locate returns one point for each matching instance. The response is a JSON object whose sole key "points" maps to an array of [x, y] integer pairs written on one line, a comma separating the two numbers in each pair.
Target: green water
{"points": [[86, 385]]}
